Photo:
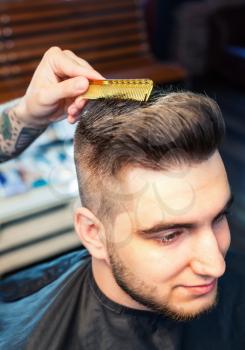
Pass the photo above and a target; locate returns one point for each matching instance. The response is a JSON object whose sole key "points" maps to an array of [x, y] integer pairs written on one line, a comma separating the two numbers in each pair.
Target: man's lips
{"points": [[201, 285], [201, 289]]}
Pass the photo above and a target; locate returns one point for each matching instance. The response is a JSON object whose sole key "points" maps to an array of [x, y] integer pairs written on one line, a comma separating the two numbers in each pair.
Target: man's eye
{"points": [[169, 238], [223, 216]]}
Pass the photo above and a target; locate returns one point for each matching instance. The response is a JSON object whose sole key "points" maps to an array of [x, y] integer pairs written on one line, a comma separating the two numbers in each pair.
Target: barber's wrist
{"points": [[23, 116]]}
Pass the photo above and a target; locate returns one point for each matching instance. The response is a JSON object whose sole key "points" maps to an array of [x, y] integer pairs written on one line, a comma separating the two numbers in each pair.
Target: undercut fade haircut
{"points": [[169, 130]]}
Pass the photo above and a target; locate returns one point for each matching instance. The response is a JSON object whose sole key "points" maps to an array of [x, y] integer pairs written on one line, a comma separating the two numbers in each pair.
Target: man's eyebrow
{"points": [[171, 226]]}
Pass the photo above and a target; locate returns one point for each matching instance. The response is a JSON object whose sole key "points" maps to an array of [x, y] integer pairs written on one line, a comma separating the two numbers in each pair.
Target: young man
{"points": [[155, 199]]}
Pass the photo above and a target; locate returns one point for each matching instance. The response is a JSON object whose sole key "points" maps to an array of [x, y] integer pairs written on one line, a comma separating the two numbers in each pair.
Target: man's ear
{"points": [[91, 232]]}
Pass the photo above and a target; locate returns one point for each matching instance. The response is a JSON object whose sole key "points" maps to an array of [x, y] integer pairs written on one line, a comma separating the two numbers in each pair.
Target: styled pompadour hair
{"points": [[168, 130]]}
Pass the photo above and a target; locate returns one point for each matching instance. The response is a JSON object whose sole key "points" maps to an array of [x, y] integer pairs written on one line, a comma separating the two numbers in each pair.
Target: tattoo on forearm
{"points": [[6, 126], [14, 135]]}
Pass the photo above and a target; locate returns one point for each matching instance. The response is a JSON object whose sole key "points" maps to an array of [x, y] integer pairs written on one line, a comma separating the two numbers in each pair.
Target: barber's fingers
{"points": [[77, 59], [72, 119], [63, 90], [63, 66], [74, 111]]}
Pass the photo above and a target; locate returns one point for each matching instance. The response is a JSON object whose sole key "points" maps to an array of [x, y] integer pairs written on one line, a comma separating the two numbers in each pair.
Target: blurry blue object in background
{"points": [[35, 167], [236, 51]]}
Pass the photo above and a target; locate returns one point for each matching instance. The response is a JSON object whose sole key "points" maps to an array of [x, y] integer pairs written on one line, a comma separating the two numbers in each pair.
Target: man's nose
{"points": [[207, 257]]}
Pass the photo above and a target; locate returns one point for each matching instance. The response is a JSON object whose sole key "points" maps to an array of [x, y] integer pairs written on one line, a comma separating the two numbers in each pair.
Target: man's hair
{"points": [[168, 130]]}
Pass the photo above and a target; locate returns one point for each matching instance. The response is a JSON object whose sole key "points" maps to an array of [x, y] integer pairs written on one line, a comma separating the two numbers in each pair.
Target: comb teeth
{"points": [[135, 89]]}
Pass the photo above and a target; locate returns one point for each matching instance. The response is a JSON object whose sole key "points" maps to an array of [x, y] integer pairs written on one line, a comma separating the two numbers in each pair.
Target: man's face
{"points": [[172, 235]]}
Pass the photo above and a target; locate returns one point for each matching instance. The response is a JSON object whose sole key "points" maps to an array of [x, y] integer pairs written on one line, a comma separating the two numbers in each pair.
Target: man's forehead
{"points": [[178, 179], [179, 190]]}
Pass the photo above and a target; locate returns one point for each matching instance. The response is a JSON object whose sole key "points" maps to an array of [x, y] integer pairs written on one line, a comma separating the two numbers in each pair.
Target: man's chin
{"points": [[190, 312]]}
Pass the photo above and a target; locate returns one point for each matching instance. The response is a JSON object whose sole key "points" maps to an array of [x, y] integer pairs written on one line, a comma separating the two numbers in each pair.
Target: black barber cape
{"points": [[58, 306]]}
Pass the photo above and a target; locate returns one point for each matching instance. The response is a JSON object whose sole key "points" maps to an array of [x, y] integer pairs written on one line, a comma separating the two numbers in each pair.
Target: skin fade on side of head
{"points": [[140, 167]]}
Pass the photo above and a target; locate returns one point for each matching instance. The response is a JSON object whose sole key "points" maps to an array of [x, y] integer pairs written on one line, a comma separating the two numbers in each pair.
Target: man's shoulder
{"points": [[31, 297], [28, 281]]}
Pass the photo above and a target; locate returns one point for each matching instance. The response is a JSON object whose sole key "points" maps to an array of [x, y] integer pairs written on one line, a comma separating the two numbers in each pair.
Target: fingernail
{"points": [[81, 84], [72, 110], [80, 103]]}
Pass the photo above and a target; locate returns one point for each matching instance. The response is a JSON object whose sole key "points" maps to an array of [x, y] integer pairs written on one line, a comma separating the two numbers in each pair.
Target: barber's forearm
{"points": [[15, 135]]}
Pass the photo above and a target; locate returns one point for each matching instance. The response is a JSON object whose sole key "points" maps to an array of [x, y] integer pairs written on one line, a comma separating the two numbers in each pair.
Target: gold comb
{"points": [[134, 89]]}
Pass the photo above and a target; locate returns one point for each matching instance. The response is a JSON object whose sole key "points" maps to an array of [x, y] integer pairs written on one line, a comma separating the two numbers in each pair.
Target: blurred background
{"points": [[197, 45]]}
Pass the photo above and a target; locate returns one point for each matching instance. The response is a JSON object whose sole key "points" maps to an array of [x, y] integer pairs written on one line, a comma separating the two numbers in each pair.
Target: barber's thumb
{"points": [[68, 88]]}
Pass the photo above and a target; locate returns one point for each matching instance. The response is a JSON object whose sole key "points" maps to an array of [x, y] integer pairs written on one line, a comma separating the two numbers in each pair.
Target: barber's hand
{"points": [[56, 84]]}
